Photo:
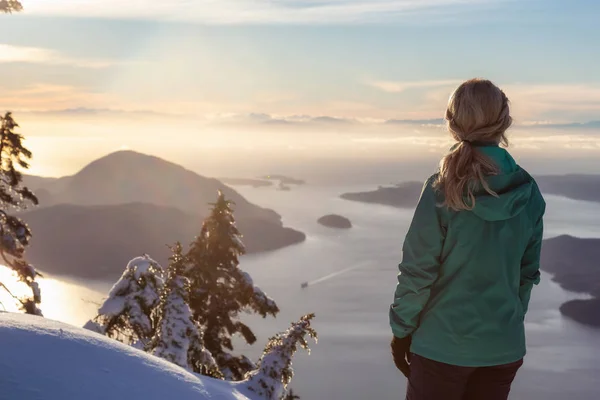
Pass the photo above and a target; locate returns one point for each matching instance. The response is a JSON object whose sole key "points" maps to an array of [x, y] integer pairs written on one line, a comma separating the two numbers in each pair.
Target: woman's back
{"points": [[474, 315]]}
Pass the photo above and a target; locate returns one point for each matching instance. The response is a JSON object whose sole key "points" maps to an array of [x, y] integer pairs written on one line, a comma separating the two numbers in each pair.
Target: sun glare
{"points": [[61, 300]]}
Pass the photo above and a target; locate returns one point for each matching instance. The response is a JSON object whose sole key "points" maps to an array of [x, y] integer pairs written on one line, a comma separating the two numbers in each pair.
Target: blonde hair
{"points": [[477, 112]]}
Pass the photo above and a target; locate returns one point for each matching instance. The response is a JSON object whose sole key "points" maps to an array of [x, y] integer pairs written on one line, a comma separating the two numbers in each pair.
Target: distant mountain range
{"points": [[590, 125], [283, 120], [435, 121], [126, 204], [574, 186], [402, 195], [406, 195]]}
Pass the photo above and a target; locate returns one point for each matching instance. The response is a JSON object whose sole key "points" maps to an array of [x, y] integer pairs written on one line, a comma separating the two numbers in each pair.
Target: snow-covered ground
{"points": [[49, 360]]}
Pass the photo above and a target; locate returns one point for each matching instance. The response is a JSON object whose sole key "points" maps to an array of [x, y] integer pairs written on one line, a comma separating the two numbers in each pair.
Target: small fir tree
{"points": [[270, 380], [128, 313], [14, 233], [178, 338], [291, 395], [9, 6], [221, 290]]}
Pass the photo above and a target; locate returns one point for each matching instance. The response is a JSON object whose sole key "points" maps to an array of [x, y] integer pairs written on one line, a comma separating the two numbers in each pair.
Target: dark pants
{"points": [[432, 380]]}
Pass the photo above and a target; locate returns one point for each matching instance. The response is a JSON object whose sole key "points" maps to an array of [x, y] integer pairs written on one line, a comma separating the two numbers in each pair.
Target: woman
{"points": [[470, 260]]}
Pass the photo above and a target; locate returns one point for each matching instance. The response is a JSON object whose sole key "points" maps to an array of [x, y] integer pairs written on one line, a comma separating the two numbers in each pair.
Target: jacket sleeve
{"points": [[530, 263], [420, 264]]}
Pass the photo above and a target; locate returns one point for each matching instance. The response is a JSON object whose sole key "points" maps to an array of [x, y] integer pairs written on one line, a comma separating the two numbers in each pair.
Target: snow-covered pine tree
{"points": [[291, 395], [178, 338], [127, 314], [8, 6], [221, 290], [14, 233], [270, 380]]}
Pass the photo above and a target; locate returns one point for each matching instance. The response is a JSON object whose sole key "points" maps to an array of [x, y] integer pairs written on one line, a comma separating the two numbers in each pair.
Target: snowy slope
{"points": [[44, 359]]}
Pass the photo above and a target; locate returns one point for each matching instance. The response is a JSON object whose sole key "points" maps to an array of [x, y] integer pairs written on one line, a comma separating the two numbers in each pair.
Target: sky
{"points": [[288, 61]]}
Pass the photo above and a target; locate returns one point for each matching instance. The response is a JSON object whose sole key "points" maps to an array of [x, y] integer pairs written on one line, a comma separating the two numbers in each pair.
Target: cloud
{"points": [[44, 96], [401, 86], [435, 122], [556, 102], [331, 120], [289, 120], [553, 104], [248, 11], [36, 55]]}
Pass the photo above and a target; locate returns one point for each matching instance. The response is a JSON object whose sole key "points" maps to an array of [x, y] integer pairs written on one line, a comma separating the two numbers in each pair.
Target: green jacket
{"points": [[466, 277]]}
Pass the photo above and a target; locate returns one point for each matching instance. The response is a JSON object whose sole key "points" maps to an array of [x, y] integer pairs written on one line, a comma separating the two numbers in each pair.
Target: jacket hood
{"points": [[513, 186]]}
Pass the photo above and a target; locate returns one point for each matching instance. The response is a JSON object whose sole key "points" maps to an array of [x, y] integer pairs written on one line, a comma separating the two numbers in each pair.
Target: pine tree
{"points": [[14, 233], [274, 372], [222, 290], [178, 338], [8, 6], [127, 314], [291, 395]]}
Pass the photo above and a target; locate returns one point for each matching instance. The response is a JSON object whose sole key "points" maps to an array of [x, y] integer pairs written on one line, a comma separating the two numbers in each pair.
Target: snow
{"points": [[9, 243], [259, 295], [175, 327], [113, 306], [29, 270], [44, 359], [247, 279], [137, 290], [35, 288], [269, 381], [142, 265]]}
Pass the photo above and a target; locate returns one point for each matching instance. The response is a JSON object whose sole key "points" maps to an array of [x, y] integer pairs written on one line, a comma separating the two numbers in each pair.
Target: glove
{"points": [[401, 354]]}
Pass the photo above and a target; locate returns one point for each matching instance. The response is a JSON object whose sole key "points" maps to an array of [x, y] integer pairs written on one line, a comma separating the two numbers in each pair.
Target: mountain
{"points": [[577, 187], [403, 195], [436, 121], [573, 262], [331, 120], [128, 176], [584, 125], [96, 242], [126, 204], [45, 359]]}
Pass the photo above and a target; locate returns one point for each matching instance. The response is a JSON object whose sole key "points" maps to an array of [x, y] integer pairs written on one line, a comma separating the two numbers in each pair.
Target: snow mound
{"points": [[45, 359]]}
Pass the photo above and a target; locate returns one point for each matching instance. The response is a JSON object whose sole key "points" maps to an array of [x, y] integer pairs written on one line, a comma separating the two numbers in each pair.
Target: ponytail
{"points": [[477, 112]]}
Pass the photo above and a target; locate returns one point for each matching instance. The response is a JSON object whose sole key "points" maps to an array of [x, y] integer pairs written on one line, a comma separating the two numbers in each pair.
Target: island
{"points": [[257, 183], [335, 221], [586, 312], [281, 182], [284, 180], [573, 263], [402, 195], [284, 188]]}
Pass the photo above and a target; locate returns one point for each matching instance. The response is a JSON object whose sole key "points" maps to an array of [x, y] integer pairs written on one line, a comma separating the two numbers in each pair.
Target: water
{"points": [[353, 275]]}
